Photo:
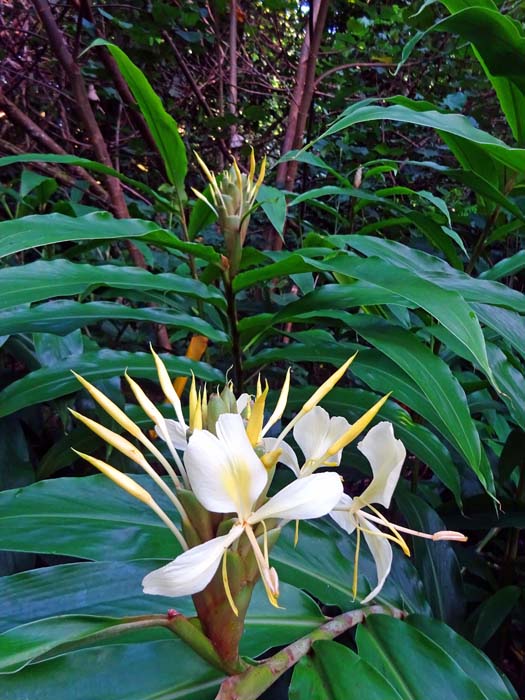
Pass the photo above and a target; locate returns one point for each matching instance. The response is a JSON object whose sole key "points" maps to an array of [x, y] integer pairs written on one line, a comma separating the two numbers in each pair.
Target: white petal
{"points": [[191, 571], [308, 497], [382, 553], [224, 472], [386, 456], [287, 455], [176, 433], [344, 518], [242, 402], [316, 432], [310, 431]]}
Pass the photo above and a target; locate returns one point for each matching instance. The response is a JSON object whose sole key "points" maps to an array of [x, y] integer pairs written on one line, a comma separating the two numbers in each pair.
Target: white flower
{"points": [[227, 476], [386, 456], [315, 433]]}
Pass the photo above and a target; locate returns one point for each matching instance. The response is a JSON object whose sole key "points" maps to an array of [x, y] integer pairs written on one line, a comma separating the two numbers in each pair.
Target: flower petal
{"points": [[344, 518], [191, 571], [287, 456], [176, 433], [386, 456], [382, 553], [310, 431], [309, 497], [224, 472], [316, 432]]}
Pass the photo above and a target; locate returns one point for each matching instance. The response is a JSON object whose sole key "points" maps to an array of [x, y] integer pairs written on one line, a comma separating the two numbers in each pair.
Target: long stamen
{"points": [[356, 563], [450, 535], [134, 489], [226, 584], [268, 574], [393, 528]]}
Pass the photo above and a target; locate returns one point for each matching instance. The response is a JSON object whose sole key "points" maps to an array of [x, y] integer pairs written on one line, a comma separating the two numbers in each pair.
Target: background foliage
{"points": [[399, 235]]}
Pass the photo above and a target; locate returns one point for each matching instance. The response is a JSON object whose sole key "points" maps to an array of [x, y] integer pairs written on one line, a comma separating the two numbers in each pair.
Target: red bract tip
{"points": [[172, 613]]}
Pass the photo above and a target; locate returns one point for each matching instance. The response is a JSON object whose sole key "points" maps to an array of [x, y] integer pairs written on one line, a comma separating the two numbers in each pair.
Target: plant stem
{"points": [[250, 684], [234, 331]]}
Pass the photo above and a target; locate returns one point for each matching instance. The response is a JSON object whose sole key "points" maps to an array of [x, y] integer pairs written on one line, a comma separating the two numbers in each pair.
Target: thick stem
{"points": [[250, 684], [234, 331]]}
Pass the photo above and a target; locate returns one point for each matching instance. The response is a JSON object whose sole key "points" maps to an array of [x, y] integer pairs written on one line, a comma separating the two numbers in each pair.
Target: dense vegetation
{"points": [[390, 223]]}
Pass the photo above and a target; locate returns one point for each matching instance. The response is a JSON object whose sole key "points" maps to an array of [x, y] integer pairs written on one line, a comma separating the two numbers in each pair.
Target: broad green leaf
{"points": [[63, 316], [322, 563], [160, 669], [437, 271], [45, 229], [436, 562], [20, 645], [491, 614], [85, 517], [511, 382], [48, 278], [509, 324], [163, 127], [49, 383], [433, 377], [412, 662], [473, 662], [334, 672], [447, 307], [201, 215]]}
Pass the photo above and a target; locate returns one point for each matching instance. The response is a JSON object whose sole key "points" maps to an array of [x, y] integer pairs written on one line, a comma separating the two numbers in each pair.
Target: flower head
{"points": [[233, 196]]}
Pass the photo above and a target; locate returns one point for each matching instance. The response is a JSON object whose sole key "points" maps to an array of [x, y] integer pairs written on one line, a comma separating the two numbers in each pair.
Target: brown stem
{"points": [[83, 105], [40, 136], [232, 88], [302, 99], [253, 682]]}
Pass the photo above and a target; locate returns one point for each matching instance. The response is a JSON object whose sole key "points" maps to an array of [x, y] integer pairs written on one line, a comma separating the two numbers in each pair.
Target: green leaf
{"points": [[160, 669], [436, 562], [449, 308], [47, 278], [510, 381], [19, 645], [322, 564], [201, 215], [49, 383], [437, 271], [63, 316], [85, 517], [273, 203], [506, 267], [472, 661], [163, 127], [433, 377], [410, 661], [491, 614], [334, 672], [508, 324], [455, 125], [46, 229]]}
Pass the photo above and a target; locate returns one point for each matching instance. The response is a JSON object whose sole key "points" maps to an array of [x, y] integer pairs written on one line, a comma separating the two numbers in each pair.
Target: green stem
{"points": [[234, 331], [250, 684]]}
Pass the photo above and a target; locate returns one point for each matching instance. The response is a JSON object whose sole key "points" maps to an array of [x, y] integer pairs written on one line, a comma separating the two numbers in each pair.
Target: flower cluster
{"points": [[223, 457]]}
